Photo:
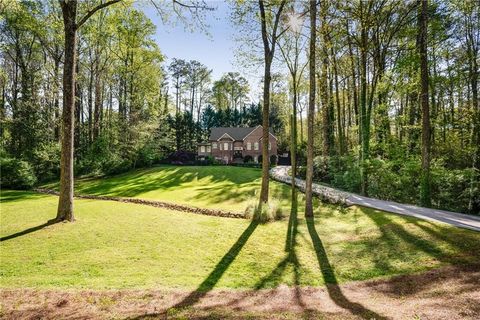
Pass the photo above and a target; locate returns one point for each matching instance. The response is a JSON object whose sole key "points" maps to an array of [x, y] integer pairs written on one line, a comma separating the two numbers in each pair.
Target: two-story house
{"points": [[231, 144]]}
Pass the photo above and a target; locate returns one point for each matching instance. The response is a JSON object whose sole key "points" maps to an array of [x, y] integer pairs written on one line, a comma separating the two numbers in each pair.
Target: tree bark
{"points": [[65, 202], [311, 111], [269, 50], [425, 197]]}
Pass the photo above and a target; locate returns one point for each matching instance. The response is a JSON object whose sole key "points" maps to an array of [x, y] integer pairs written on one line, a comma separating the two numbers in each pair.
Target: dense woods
{"points": [[391, 90]]}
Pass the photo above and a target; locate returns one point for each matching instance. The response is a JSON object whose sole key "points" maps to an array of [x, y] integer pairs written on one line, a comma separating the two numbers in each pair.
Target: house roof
{"points": [[236, 133]]}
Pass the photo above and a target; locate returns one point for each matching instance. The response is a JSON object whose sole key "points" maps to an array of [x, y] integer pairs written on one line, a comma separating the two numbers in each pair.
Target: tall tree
{"points": [[71, 26], [311, 110], [269, 44], [424, 102]]}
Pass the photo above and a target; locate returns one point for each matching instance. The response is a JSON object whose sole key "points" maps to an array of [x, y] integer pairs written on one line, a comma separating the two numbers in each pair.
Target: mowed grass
{"points": [[215, 187], [121, 245]]}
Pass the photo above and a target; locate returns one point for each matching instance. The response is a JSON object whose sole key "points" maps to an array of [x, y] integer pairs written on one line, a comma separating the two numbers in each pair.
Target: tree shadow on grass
{"points": [[334, 290], [219, 270], [27, 231], [19, 195], [213, 278], [464, 252]]}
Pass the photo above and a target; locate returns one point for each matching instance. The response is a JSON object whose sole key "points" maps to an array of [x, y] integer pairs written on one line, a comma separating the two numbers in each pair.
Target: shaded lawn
{"points": [[215, 187], [121, 245]]}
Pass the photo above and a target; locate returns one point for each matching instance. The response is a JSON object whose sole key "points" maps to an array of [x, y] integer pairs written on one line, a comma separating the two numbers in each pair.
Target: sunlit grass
{"points": [[120, 245], [215, 187]]}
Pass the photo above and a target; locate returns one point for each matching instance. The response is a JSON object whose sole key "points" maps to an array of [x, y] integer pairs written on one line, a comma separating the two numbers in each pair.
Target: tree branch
{"points": [[91, 12]]}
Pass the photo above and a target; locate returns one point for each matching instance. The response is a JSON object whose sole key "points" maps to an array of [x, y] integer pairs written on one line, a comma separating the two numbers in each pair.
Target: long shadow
{"points": [[219, 270], [334, 290], [291, 259], [27, 231]]}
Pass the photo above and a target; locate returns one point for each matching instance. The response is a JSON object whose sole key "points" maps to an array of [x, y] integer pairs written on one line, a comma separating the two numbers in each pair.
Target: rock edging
{"points": [[327, 194], [155, 203]]}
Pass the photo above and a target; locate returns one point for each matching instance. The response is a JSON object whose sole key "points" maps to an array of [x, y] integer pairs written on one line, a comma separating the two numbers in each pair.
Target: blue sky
{"points": [[216, 50]]}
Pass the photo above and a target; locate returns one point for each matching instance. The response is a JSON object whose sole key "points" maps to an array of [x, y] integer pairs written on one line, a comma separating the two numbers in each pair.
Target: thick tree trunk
{"points": [[311, 111], [425, 197], [65, 202]]}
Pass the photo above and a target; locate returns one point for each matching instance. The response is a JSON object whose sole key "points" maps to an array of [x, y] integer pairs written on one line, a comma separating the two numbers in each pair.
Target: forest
{"points": [[376, 97]]}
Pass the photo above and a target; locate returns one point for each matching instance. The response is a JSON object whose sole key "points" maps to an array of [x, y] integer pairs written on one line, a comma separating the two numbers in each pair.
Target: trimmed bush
{"points": [[247, 159]]}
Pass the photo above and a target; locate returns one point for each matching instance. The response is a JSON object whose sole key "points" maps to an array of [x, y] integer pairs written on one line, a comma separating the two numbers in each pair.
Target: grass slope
{"points": [[214, 187], [120, 245]]}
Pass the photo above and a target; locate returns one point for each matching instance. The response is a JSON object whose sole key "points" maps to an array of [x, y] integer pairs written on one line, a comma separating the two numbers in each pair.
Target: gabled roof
{"points": [[236, 133]]}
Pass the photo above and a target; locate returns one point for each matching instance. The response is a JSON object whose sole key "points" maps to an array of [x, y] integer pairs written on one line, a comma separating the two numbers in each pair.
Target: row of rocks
{"points": [[327, 194], [157, 204]]}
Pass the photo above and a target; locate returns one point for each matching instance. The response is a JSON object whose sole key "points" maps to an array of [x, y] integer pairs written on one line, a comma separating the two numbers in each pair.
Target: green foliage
{"points": [[16, 174], [46, 161], [398, 179]]}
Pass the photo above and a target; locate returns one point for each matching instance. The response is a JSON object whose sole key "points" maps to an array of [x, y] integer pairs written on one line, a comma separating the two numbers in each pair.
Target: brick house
{"points": [[230, 144]]}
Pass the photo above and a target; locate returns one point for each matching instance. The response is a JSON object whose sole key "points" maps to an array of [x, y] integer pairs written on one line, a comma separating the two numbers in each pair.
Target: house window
{"points": [[202, 149], [269, 146], [225, 146], [214, 145], [249, 146], [255, 145], [209, 149]]}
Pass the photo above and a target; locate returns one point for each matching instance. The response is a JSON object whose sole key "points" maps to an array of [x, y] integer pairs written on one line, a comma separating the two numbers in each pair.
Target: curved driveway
{"points": [[280, 173]]}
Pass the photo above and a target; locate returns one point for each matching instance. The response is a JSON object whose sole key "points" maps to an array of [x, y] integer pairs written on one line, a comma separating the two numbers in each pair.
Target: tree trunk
{"points": [[98, 103], [364, 126], [65, 202], [425, 197], [265, 125], [311, 111]]}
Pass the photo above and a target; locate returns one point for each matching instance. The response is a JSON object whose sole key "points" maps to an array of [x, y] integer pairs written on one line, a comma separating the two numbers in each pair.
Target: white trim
{"points": [[271, 135], [227, 135]]}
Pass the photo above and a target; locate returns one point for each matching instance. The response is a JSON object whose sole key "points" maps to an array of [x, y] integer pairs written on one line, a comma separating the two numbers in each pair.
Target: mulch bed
{"points": [[157, 204]]}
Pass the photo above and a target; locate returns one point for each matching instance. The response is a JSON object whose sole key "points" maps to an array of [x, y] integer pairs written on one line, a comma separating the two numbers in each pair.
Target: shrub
{"points": [[147, 155], [16, 174], [247, 159], [273, 160], [181, 157], [46, 161], [268, 212], [116, 165]]}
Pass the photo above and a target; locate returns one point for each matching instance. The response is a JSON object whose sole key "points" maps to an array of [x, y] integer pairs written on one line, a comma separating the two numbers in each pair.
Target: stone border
{"points": [[155, 203], [327, 194]]}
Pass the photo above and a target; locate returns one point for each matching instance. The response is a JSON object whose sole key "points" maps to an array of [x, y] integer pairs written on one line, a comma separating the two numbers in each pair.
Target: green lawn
{"points": [[215, 187], [121, 245]]}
